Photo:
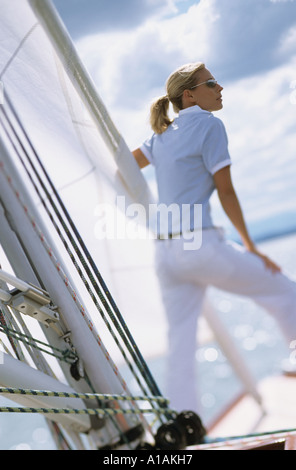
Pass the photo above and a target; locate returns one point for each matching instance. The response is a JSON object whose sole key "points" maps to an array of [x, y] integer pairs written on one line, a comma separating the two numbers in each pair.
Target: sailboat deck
{"points": [[277, 413]]}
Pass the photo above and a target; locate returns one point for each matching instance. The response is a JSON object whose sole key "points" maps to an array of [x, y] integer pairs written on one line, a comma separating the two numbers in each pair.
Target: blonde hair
{"points": [[182, 79]]}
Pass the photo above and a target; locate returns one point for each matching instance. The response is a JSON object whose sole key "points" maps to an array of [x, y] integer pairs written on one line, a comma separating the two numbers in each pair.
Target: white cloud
{"points": [[233, 38]]}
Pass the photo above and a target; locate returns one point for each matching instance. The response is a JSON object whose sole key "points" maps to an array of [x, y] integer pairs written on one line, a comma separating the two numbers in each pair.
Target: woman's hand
{"points": [[269, 264]]}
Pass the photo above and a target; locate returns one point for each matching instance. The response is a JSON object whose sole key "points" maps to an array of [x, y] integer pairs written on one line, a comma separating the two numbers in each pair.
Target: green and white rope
{"points": [[107, 397], [89, 411], [63, 355], [83, 411]]}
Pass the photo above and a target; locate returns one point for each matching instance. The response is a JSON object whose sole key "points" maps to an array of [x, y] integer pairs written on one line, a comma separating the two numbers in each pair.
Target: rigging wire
{"points": [[71, 255], [89, 258], [124, 438], [117, 318]]}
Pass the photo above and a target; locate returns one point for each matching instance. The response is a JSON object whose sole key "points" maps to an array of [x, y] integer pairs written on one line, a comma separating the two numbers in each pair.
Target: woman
{"points": [[191, 160]]}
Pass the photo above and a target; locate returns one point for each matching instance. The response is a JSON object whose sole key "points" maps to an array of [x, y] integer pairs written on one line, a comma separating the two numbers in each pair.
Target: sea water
{"points": [[254, 332]]}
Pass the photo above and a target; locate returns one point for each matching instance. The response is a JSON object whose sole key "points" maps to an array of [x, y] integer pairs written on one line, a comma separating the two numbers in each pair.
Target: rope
{"points": [[63, 276], [83, 411], [65, 355], [117, 318], [89, 411], [132, 348], [209, 443], [66, 282], [109, 397]]}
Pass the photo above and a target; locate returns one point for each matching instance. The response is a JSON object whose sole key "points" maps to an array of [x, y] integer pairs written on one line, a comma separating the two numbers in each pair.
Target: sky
{"points": [[131, 46]]}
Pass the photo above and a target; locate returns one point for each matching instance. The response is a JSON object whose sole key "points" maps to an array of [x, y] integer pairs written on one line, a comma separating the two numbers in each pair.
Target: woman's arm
{"points": [[232, 208], [140, 158], [231, 205]]}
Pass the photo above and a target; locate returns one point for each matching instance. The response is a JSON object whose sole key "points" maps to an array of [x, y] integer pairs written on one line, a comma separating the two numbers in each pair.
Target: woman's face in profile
{"points": [[207, 96]]}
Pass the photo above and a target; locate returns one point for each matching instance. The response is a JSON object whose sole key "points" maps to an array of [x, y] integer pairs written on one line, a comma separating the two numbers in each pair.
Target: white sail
{"points": [[56, 133], [82, 151]]}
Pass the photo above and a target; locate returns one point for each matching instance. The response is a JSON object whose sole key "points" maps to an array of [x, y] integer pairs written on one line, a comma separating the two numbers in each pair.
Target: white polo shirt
{"points": [[186, 156]]}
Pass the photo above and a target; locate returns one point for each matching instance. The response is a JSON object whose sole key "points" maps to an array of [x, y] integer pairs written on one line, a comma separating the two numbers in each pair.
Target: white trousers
{"points": [[184, 276]]}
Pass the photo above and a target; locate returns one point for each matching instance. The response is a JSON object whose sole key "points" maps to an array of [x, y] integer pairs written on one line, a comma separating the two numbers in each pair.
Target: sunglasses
{"points": [[210, 83]]}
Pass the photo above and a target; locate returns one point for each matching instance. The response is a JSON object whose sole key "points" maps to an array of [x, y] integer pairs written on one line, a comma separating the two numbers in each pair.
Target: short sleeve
{"points": [[146, 148], [215, 147]]}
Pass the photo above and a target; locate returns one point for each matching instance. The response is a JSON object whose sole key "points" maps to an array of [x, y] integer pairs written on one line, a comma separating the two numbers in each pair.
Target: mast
{"points": [[86, 89]]}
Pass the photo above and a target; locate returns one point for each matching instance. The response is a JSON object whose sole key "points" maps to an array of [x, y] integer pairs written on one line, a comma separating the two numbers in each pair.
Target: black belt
{"points": [[169, 236]]}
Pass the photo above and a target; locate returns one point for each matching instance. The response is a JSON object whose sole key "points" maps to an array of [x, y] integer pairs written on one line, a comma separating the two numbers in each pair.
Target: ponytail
{"points": [[159, 119]]}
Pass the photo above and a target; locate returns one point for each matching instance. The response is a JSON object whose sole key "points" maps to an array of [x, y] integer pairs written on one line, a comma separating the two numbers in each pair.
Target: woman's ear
{"points": [[187, 94], [188, 98]]}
